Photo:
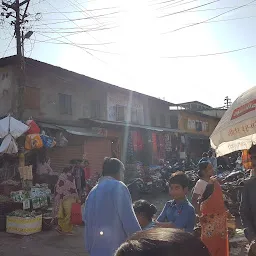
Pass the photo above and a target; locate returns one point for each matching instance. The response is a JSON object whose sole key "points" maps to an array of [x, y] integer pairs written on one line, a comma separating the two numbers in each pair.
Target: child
{"points": [[145, 212], [178, 213]]}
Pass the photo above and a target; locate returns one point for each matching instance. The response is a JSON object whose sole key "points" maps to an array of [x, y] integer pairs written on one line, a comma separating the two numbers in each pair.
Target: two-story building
{"points": [[97, 118]]}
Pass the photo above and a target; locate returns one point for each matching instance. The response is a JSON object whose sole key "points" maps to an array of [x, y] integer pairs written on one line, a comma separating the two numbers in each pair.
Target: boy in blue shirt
{"points": [[179, 212]]}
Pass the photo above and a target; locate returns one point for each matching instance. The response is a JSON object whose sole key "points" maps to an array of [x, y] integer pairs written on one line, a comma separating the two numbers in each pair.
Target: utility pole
{"points": [[19, 20], [227, 102]]}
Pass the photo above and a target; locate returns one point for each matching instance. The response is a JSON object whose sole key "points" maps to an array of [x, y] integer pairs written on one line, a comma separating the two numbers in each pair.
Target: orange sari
{"points": [[214, 232]]}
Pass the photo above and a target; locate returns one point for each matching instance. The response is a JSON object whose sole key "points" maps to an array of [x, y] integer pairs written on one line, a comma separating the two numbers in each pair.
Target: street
{"points": [[52, 243]]}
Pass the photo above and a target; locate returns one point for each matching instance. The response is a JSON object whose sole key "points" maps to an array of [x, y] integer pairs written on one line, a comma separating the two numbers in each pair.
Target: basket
{"points": [[23, 226], [47, 224]]}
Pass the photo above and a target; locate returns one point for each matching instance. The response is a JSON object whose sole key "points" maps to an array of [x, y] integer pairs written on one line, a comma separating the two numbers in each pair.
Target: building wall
{"points": [[7, 90], [51, 85], [188, 122], [158, 110], [215, 112], [133, 107]]}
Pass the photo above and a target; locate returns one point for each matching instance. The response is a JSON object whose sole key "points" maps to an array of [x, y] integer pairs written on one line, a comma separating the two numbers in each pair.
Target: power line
{"points": [[71, 32], [170, 14], [8, 46], [210, 54], [204, 21], [73, 44], [216, 21]]}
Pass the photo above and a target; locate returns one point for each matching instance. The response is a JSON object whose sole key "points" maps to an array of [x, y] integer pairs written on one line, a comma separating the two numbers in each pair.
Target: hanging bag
{"points": [[76, 214]]}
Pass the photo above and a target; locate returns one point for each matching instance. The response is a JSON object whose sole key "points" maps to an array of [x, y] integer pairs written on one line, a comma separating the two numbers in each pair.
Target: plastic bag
{"points": [[33, 141], [33, 127], [76, 214], [48, 142]]}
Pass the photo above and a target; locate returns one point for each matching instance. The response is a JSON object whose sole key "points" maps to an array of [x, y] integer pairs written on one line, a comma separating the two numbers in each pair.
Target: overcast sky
{"points": [[130, 45]]}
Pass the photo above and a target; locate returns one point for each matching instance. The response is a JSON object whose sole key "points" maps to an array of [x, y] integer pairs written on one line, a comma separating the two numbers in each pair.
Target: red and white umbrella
{"points": [[237, 128]]}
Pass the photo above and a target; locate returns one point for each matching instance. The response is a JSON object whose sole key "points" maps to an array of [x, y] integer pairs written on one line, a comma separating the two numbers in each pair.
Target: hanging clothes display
{"points": [[161, 146], [168, 142], [137, 141], [154, 144], [130, 151], [246, 160]]}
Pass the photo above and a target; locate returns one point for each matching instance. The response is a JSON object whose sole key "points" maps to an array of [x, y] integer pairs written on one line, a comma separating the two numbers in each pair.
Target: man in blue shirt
{"points": [[109, 216], [178, 213]]}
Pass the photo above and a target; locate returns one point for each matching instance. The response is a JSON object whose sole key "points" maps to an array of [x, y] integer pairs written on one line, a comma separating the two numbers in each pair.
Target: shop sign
{"points": [[197, 125], [100, 131]]}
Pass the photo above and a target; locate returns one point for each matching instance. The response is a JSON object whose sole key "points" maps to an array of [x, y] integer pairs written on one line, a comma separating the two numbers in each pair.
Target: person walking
{"points": [[248, 203], [212, 212], [213, 161], [65, 195], [109, 216]]}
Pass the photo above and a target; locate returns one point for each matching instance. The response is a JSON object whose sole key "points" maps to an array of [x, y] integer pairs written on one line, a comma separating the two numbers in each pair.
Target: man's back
{"points": [[109, 217], [248, 208]]}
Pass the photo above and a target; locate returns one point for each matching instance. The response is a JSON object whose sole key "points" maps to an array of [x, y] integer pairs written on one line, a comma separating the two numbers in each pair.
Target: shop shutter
{"points": [[60, 157], [96, 149]]}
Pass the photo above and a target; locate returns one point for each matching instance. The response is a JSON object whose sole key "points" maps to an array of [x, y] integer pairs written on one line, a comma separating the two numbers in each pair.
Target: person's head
{"points": [[67, 170], [86, 163], [210, 153], [113, 167], [205, 170], [178, 185], [204, 155], [164, 242], [144, 212], [252, 153]]}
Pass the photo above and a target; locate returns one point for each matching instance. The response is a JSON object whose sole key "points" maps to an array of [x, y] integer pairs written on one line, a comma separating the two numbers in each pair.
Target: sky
{"points": [[141, 44]]}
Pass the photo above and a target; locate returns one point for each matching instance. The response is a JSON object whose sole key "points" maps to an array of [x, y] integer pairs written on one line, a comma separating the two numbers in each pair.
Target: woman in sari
{"points": [[213, 219], [65, 195]]}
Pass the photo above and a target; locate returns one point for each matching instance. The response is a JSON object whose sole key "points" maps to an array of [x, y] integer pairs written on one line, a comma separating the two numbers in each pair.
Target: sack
{"points": [[76, 214], [33, 141]]}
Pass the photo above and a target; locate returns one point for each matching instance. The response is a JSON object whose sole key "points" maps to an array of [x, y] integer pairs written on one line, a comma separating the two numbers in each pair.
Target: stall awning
{"points": [[122, 124], [79, 131], [196, 136]]}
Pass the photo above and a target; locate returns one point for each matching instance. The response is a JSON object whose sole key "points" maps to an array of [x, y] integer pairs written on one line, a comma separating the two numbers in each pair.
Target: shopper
{"points": [[205, 173], [65, 196], [248, 203], [178, 213], [213, 217], [213, 161], [163, 242], [145, 212], [109, 216]]}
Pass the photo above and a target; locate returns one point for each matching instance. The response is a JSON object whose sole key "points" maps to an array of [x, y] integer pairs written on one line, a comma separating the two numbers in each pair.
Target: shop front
{"points": [[197, 128]]}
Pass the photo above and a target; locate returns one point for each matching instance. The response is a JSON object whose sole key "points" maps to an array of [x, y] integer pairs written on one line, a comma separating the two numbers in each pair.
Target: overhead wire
{"points": [[59, 42], [7, 48], [204, 21], [209, 54], [192, 8]]}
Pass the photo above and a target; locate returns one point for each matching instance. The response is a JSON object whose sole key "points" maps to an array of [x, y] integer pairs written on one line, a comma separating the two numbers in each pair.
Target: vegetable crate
{"points": [[23, 225]]}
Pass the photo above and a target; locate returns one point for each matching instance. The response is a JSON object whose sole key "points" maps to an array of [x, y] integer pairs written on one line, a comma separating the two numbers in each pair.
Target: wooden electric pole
{"points": [[19, 20]]}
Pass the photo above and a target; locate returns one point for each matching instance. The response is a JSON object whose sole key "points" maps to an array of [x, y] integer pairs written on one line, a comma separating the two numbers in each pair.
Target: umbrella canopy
{"points": [[237, 128], [10, 125]]}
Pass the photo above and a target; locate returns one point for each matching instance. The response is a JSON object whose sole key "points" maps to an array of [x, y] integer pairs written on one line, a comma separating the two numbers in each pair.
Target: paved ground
{"points": [[53, 244]]}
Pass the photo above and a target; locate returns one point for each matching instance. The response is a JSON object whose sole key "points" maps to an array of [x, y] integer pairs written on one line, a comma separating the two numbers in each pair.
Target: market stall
{"points": [[25, 206]]}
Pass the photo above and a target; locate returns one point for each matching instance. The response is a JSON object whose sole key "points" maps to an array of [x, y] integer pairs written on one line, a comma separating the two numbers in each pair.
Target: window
{"points": [[120, 113], [95, 109], [162, 120], [31, 98], [174, 122], [65, 103], [134, 116], [153, 120]]}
